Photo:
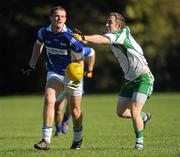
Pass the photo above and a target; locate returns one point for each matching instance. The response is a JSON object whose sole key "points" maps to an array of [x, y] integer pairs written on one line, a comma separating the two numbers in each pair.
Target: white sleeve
{"points": [[92, 52], [116, 38]]}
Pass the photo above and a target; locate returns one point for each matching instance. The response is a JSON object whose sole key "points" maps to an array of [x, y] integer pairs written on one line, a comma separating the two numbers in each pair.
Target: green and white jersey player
{"points": [[138, 79]]}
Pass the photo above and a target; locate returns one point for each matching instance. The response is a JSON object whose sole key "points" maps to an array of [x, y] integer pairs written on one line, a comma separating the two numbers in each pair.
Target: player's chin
{"points": [[60, 24], [108, 30]]}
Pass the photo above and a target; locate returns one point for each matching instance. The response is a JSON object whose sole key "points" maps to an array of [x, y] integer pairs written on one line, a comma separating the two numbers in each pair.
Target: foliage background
{"points": [[154, 24]]}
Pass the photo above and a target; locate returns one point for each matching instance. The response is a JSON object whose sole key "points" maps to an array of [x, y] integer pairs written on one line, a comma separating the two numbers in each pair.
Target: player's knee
{"points": [[50, 100], [58, 112], [120, 114], [76, 113], [124, 113], [49, 103]]}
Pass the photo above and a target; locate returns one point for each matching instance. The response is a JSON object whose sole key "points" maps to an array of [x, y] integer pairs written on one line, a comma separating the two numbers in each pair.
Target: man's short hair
{"points": [[56, 8], [119, 17]]}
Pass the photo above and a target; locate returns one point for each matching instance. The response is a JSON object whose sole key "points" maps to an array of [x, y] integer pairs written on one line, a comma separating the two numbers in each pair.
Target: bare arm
{"points": [[91, 62], [96, 39], [81, 62], [37, 49]]}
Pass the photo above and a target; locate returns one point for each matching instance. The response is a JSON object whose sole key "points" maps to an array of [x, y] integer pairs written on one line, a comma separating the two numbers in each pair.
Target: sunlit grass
{"points": [[105, 135]]}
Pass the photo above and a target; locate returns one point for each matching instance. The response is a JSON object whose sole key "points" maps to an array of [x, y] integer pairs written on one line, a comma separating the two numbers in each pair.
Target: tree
{"points": [[155, 24]]}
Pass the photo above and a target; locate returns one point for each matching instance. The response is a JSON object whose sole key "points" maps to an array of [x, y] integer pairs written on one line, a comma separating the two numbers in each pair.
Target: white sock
{"points": [[47, 133]]}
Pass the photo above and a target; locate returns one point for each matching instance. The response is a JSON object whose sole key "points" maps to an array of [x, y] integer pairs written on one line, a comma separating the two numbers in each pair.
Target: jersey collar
{"points": [[49, 28]]}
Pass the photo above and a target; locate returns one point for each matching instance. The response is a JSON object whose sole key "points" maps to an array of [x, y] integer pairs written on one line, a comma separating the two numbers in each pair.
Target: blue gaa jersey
{"points": [[59, 48], [87, 52]]}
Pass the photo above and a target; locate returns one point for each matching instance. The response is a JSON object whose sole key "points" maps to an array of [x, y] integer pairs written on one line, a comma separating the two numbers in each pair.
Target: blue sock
{"points": [[59, 128], [66, 118]]}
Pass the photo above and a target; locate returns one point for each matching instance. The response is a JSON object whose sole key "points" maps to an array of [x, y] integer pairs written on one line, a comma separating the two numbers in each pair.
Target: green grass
{"points": [[105, 135]]}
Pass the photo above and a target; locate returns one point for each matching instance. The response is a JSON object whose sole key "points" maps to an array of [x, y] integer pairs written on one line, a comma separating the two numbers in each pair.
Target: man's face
{"points": [[58, 19], [112, 25]]}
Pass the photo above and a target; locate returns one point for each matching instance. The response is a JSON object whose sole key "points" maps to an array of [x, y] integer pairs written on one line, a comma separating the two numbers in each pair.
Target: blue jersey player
{"points": [[61, 122], [61, 49]]}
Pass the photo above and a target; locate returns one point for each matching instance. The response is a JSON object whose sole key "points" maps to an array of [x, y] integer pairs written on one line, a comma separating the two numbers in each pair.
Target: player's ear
{"points": [[121, 25]]}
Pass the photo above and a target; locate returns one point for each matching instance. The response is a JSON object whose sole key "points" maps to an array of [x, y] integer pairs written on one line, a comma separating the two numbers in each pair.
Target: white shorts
{"points": [[64, 80], [139, 97]]}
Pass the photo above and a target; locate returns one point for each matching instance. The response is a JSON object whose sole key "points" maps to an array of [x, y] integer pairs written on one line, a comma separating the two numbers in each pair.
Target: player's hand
{"points": [[27, 70], [77, 34], [88, 74]]}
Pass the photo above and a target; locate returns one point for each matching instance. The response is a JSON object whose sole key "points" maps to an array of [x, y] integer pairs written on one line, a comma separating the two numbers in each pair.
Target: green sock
{"points": [[144, 116], [139, 137]]}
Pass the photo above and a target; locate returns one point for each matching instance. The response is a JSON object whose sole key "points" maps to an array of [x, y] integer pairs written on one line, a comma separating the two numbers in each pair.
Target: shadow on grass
{"points": [[29, 150], [107, 149], [26, 149], [96, 149]]}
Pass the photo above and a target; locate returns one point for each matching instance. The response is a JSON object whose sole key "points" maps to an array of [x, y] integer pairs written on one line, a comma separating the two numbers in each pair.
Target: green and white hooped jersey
{"points": [[128, 53]]}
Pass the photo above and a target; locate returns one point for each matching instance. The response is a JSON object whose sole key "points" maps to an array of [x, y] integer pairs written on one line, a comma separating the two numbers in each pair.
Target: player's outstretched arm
{"points": [[95, 39]]}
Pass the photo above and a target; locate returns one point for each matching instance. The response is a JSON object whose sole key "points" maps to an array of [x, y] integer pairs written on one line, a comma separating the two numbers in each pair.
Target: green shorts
{"points": [[142, 84]]}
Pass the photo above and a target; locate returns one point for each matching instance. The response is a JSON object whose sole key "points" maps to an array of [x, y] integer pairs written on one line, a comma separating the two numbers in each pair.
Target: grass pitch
{"points": [[105, 135]]}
